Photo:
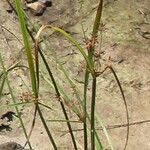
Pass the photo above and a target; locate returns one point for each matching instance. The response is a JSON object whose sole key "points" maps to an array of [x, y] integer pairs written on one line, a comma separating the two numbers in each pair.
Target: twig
{"points": [[111, 127]]}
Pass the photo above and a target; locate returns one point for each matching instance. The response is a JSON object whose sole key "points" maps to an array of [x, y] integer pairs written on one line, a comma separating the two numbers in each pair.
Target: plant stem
{"points": [[46, 127], [61, 103], [91, 55], [69, 126], [85, 110], [93, 114], [34, 81], [97, 19]]}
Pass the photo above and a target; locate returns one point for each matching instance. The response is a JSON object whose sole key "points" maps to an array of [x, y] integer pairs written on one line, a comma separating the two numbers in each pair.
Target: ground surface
{"points": [[125, 23]]}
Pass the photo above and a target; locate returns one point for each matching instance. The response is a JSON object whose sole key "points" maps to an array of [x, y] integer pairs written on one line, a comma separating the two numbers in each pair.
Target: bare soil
{"points": [[125, 38]]}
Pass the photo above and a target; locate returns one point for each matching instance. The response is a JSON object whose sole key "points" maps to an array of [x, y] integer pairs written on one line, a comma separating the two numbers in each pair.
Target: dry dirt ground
{"points": [[125, 37]]}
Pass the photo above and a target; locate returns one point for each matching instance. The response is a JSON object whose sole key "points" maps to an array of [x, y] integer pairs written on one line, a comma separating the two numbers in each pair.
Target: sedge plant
{"points": [[86, 118]]}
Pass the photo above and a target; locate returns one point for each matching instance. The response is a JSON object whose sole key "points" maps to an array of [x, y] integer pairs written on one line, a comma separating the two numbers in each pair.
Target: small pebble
{"points": [[36, 8]]}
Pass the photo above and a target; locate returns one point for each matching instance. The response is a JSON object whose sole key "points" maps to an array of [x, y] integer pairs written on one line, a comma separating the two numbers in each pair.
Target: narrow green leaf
{"points": [[26, 44]]}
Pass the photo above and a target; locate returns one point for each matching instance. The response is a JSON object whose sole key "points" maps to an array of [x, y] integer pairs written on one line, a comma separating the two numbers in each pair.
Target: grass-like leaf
{"points": [[82, 51], [26, 44], [14, 101]]}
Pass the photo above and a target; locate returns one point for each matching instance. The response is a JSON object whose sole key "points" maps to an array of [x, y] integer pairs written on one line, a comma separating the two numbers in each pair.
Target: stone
{"points": [[11, 146], [37, 8]]}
